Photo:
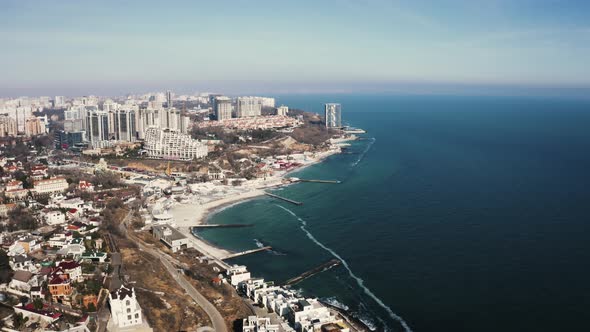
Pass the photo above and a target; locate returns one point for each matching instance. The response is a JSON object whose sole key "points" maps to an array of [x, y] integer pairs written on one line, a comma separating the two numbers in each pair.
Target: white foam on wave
{"points": [[359, 281], [333, 301], [258, 243], [364, 152]]}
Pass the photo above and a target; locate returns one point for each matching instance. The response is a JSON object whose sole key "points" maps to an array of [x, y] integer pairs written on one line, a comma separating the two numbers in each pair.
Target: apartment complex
{"points": [[333, 115], [172, 144]]}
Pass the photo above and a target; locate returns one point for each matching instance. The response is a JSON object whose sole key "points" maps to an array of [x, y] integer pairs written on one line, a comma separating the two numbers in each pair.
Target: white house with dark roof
{"points": [[125, 311]]}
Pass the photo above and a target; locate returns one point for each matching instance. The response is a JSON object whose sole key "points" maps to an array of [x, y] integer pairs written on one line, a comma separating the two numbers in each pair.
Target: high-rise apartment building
{"points": [[282, 110], [33, 127], [124, 124], [7, 126], [333, 115], [248, 107], [98, 127], [223, 108]]}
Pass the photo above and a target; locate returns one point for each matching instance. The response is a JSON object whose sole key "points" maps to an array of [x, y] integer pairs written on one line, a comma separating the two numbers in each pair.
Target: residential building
{"points": [[50, 186], [7, 126], [33, 127], [125, 310], [223, 108], [124, 124], [238, 274], [60, 287], [259, 324], [169, 144], [282, 110], [333, 116], [98, 128], [248, 107]]}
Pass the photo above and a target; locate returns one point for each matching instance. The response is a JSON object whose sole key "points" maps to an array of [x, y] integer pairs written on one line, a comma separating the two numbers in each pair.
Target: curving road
{"points": [[211, 311]]}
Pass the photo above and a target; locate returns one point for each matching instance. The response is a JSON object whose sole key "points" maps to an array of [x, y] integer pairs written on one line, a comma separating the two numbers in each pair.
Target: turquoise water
{"points": [[455, 213]]}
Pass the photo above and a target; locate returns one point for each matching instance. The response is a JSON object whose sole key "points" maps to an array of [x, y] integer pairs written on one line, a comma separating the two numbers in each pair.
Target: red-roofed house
{"points": [[43, 316], [85, 185], [73, 269], [60, 287]]}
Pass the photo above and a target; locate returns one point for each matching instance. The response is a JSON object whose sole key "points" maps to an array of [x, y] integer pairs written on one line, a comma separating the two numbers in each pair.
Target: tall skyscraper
{"points": [[333, 115], [222, 108], [169, 99], [98, 127], [124, 125]]}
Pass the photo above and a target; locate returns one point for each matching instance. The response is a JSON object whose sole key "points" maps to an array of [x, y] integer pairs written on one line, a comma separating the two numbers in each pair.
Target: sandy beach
{"points": [[208, 198]]}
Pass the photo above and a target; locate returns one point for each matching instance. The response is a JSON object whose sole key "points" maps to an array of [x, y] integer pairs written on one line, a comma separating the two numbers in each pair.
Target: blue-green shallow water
{"points": [[463, 214]]}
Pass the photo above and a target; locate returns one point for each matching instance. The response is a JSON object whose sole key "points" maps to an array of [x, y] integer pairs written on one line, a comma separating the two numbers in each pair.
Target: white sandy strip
{"points": [[191, 214], [187, 215]]}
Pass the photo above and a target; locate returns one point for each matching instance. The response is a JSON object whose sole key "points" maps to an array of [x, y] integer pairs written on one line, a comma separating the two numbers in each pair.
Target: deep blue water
{"points": [[456, 213]]}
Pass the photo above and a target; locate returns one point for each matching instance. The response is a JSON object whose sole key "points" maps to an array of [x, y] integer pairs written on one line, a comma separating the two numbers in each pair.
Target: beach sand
{"points": [[196, 212]]}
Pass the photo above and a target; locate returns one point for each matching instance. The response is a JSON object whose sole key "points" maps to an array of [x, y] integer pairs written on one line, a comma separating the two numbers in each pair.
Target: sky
{"points": [[305, 46]]}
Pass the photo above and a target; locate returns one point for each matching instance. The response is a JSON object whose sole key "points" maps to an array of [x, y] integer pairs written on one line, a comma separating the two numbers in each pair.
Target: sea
{"points": [[455, 213]]}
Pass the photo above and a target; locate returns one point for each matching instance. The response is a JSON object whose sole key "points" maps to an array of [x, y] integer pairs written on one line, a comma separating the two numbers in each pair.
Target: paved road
{"points": [[211, 311]]}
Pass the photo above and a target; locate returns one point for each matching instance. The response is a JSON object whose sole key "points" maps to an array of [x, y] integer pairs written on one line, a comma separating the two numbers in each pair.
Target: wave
{"points": [[333, 301], [258, 243], [362, 155], [359, 281]]}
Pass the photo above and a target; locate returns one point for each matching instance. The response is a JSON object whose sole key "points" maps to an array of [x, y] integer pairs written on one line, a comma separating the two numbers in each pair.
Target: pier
{"points": [[222, 226], [284, 199], [323, 267], [247, 252], [321, 181]]}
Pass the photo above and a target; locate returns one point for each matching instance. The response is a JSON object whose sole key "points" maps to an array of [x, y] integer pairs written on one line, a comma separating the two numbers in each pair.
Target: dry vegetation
{"points": [[231, 306], [166, 306]]}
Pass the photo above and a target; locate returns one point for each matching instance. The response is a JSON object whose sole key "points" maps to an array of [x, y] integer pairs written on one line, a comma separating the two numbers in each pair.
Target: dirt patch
{"points": [[165, 304]]}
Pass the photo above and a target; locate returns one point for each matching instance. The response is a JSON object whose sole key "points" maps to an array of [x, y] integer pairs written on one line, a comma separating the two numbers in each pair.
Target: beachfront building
{"points": [[333, 115], [171, 237], [170, 144], [259, 324], [238, 274]]}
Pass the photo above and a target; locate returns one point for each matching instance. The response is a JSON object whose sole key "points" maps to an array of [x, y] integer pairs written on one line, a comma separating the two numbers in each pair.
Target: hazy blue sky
{"points": [[291, 46]]}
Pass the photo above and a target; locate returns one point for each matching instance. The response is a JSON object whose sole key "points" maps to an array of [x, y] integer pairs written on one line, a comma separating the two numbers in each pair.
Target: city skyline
{"points": [[453, 46]]}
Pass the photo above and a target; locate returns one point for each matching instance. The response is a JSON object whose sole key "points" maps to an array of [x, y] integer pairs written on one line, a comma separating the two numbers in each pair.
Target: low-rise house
{"points": [[259, 324], [72, 269], [85, 186], [53, 217], [5, 208], [94, 256], [238, 274], [23, 263], [171, 237], [22, 281], [60, 287], [38, 172], [30, 243], [43, 316]]}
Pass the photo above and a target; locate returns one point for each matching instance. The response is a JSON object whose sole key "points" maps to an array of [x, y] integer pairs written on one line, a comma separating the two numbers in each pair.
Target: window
{"points": [[128, 317], [136, 315], [128, 310], [127, 303]]}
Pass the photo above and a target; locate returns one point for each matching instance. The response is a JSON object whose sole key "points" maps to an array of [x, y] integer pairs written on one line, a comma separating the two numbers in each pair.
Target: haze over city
{"points": [[450, 46]]}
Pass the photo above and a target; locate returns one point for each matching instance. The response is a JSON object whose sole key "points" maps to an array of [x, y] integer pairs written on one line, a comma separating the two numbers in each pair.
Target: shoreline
{"points": [[197, 214]]}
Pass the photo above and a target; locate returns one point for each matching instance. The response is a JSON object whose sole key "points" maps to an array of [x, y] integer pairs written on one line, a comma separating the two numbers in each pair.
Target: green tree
{"points": [[38, 304], [5, 270]]}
